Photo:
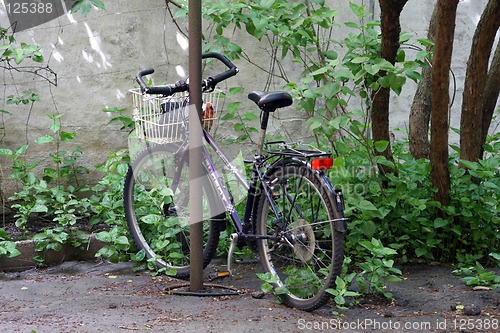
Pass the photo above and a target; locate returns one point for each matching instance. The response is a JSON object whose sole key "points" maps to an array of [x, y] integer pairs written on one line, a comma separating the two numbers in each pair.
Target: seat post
{"points": [[262, 133]]}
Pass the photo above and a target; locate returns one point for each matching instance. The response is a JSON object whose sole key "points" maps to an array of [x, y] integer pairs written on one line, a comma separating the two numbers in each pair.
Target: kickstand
{"points": [[221, 275]]}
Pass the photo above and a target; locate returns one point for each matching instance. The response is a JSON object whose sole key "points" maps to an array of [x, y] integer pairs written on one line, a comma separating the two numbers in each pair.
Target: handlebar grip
{"points": [[160, 90], [220, 57], [223, 76], [139, 79], [232, 71]]}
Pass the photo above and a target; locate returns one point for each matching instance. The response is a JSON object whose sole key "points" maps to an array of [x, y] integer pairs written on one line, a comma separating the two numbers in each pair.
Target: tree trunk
{"points": [[471, 123], [420, 112], [491, 92], [440, 98], [391, 28]]}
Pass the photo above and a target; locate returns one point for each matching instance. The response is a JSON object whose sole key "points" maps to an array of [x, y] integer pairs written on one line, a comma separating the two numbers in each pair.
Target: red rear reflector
{"points": [[324, 163]]}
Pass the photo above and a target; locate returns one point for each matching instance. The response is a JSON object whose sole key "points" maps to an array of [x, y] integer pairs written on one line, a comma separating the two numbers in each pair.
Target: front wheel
{"points": [[156, 199], [304, 253]]}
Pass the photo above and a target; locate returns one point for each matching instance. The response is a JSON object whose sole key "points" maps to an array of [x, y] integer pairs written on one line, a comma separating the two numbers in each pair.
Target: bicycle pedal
{"points": [[218, 276]]}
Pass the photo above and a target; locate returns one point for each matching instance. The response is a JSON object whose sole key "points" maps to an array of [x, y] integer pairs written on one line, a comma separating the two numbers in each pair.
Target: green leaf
{"points": [[84, 6], [419, 252], [358, 10], [415, 76], [45, 139], [360, 60], [122, 240], [6, 152], [425, 42], [267, 3], [139, 256], [39, 208], [249, 116], [67, 136], [20, 151], [381, 145], [332, 55], [281, 290], [440, 222], [235, 90], [98, 3], [366, 205], [495, 256], [469, 165], [351, 25], [232, 107], [368, 228], [320, 71]]}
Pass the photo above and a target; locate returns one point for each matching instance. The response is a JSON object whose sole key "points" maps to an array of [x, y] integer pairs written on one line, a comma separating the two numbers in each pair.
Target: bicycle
{"points": [[293, 218]]}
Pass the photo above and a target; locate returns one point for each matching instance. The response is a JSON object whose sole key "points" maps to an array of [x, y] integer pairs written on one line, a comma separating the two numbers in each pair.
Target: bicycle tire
{"points": [[155, 199], [307, 252]]}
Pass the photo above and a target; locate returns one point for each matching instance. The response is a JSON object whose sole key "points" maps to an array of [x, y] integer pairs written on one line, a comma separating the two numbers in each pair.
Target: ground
{"points": [[96, 296]]}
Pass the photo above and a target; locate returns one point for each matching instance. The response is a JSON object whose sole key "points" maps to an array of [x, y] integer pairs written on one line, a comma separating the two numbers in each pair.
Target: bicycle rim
{"points": [[305, 253], [157, 210]]}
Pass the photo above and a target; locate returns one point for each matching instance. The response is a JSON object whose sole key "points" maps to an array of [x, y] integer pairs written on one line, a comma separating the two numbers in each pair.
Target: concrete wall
{"points": [[96, 58]]}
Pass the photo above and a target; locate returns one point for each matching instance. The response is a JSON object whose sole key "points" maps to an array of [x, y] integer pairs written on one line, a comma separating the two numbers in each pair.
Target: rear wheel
{"points": [[305, 252], [156, 198]]}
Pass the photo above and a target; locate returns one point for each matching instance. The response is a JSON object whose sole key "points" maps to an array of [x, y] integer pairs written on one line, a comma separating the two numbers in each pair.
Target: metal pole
{"points": [[195, 160]]}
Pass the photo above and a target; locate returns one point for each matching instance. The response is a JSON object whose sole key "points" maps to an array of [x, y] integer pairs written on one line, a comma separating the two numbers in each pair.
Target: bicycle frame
{"points": [[257, 177], [257, 182]]}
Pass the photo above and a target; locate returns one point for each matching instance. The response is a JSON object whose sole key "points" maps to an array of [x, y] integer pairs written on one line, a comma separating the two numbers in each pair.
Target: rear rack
{"points": [[289, 149]]}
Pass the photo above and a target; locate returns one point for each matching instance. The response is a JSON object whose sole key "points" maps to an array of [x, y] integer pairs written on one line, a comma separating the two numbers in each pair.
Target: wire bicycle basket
{"points": [[164, 120]]}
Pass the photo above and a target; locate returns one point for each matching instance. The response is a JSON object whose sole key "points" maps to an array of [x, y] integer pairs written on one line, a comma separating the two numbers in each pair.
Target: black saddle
{"points": [[270, 101]]}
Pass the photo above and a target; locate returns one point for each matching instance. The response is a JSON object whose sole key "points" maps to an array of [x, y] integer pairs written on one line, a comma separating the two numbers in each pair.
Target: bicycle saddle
{"points": [[270, 101]]}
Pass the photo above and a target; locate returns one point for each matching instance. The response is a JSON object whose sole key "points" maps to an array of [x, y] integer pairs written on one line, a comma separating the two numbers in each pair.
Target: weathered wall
{"points": [[96, 58]]}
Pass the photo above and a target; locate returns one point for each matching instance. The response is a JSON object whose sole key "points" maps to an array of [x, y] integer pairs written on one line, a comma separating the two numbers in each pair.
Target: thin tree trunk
{"points": [[490, 98], [391, 28], [471, 123], [440, 99], [420, 112]]}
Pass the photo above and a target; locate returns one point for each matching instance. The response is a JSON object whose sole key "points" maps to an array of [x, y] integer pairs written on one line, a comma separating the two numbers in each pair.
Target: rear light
{"points": [[323, 163]]}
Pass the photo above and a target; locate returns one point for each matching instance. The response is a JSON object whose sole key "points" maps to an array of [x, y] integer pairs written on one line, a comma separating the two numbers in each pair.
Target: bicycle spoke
{"points": [[157, 207], [303, 252]]}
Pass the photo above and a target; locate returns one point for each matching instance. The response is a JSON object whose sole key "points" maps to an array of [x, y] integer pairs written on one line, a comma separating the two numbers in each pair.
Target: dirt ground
{"points": [[103, 297]]}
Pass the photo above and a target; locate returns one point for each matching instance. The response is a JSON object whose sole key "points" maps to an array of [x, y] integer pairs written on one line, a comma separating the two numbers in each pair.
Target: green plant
{"points": [[53, 192], [50, 239], [52, 196], [342, 285], [11, 50], [106, 206], [267, 285], [377, 269], [7, 248], [341, 291], [126, 121], [477, 275]]}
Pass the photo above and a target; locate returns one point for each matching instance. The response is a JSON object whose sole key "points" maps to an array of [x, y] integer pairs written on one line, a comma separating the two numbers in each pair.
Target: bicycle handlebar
{"points": [[181, 86]]}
